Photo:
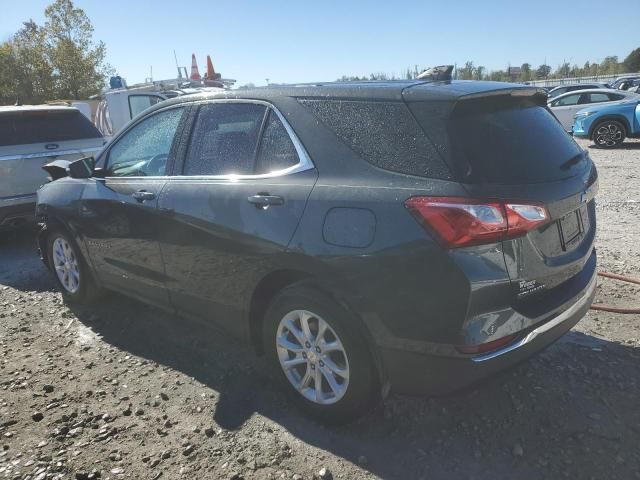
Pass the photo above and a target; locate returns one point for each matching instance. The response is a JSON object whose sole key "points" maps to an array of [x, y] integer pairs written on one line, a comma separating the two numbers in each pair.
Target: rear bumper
{"points": [[417, 373]]}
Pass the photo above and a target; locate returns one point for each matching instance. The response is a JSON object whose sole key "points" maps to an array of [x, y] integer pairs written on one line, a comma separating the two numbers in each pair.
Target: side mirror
{"points": [[82, 168]]}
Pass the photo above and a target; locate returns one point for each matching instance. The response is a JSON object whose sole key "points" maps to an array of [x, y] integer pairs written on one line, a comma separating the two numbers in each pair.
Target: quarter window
{"points": [[599, 97], [385, 134], [276, 149], [145, 148], [224, 139]]}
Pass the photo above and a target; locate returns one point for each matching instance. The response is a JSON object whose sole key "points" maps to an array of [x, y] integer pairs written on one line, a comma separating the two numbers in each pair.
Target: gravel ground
{"points": [[125, 391]]}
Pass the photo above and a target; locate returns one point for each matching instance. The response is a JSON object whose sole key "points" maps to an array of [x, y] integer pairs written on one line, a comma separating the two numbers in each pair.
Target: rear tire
{"points": [[309, 338], [70, 269], [609, 134]]}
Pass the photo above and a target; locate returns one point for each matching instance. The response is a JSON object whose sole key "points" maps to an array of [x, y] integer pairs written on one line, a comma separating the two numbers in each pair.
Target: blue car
{"points": [[608, 125]]}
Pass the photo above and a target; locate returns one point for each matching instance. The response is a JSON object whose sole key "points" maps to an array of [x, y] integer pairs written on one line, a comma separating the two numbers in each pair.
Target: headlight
{"points": [[583, 115]]}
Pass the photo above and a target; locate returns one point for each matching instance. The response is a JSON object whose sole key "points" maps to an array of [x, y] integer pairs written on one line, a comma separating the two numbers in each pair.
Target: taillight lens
{"points": [[461, 222]]}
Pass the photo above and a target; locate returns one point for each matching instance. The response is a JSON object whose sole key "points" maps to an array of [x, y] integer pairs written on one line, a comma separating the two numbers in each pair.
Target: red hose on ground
{"points": [[610, 308]]}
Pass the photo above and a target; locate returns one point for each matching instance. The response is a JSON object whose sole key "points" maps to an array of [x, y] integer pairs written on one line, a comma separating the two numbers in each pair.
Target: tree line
{"points": [[470, 71], [56, 60]]}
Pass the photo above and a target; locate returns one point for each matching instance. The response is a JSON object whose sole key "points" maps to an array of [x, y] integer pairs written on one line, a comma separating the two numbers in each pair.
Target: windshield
{"points": [[500, 140]]}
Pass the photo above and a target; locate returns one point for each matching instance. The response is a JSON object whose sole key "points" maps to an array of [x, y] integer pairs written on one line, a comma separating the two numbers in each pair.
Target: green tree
{"points": [[499, 76], [543, 72], [8, 67], [32, 68], [562, 71], [466, 72], [632, 62], [609, 66], [79, 62], [525, 72]]}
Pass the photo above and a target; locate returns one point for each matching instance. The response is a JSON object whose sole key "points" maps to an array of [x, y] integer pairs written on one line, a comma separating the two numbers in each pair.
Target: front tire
{"points": [[609, 134], [319, 355], [70, 269]]}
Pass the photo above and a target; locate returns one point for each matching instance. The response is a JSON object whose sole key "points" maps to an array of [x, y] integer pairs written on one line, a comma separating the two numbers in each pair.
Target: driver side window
{"points": [[144, 150]]}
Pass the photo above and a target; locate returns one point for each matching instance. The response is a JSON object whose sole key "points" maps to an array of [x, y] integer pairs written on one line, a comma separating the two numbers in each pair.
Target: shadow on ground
{"points": [[626, 145], [569, 412]]}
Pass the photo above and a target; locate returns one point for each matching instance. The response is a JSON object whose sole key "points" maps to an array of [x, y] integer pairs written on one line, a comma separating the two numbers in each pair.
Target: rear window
{"points": [[384, 134], [45, 126], [503, 140]]}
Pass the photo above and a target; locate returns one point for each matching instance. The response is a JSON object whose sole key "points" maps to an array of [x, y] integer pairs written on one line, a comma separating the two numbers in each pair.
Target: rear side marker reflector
{"points": [[461, 222], [486, 347]]}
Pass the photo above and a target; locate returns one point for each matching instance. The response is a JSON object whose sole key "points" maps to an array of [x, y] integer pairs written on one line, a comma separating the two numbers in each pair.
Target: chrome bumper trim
{"points": [[568, 313]]}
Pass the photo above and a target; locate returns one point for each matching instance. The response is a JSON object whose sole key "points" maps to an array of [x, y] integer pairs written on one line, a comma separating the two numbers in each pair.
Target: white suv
{"points": [[31, 136]]}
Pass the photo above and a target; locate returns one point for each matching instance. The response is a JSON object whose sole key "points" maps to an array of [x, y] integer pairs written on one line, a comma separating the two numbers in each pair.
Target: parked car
{"points": [[565, 106], [608, 125], [554, 92], [624, 82], [417, 234], [30, 136]]}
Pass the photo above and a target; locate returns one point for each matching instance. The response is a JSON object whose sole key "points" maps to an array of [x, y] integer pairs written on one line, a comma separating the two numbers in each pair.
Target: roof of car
{"points": [[590, 90], [586, 84], [379, 90], [33, 108]]}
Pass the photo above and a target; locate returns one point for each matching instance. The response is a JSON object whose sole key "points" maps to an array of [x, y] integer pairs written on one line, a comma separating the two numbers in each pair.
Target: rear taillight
{"points": [[461, 222]]}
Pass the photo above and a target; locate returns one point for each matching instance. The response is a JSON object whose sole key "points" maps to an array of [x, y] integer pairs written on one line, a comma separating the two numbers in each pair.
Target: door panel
{"points": [[217, 244], [231, 216], [120, 217], [121, 235]]}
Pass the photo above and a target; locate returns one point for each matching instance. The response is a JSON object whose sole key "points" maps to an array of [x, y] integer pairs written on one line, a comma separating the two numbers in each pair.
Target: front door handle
{"points": [[142, 195], [264, 200]]}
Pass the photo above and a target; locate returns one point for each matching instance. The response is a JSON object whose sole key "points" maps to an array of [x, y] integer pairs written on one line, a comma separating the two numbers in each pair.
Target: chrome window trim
{"points": [[304, 161], [52, 153]]}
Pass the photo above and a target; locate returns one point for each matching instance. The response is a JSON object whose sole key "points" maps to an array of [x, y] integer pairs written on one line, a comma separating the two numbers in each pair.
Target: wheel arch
{"points": [[275, 282], [52, 222], [613, 116]]}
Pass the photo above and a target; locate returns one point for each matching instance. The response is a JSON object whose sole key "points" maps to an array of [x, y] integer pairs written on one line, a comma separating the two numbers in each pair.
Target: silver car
{"points": [[561, 89], [565, 106], [31, 136]]}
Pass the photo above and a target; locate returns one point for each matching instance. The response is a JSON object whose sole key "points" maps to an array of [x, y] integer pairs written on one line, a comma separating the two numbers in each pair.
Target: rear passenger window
{"points": [[569, 100], [224, 139], [276, 148], [384, 134], [599, 97]]}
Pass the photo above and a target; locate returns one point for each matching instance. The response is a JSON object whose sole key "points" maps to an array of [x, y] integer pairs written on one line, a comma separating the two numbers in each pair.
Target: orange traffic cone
{"points": [[195, 74], [211, 73]]}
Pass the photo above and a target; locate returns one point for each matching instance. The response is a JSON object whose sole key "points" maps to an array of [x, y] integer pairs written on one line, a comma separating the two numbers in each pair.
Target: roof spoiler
{"points": [[439, 73]]}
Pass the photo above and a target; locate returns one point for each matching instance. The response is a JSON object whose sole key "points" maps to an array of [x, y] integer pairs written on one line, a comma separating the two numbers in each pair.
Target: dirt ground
{"points": [[125, 391]]}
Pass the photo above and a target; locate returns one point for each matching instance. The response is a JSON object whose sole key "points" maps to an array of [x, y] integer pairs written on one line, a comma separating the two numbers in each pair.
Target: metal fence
{"points": [[552, 82]]}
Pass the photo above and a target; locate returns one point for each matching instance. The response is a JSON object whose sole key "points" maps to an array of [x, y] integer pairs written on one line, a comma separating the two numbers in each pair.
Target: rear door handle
{"points": [[264, 200], [142, 195]]}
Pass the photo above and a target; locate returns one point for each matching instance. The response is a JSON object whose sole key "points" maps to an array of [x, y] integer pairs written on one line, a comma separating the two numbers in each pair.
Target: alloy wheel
{"points": [[65, 263], [312, 357], [608, 135]]}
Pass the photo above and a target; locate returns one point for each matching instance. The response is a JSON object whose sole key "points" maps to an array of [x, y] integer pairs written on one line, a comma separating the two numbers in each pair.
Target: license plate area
{"points": [[571, 229]]}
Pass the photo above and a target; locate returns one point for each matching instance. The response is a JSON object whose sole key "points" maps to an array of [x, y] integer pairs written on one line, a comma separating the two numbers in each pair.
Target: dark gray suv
{"points": [[419, 235]]}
